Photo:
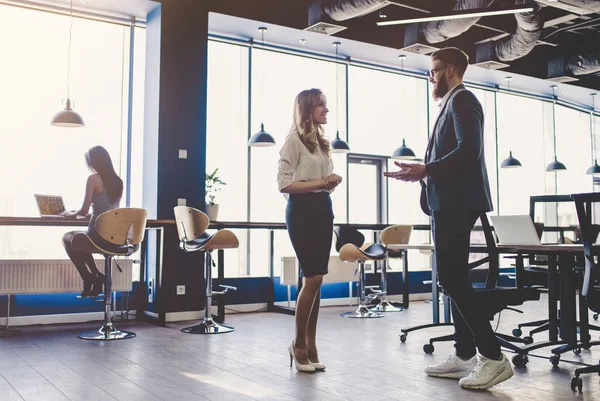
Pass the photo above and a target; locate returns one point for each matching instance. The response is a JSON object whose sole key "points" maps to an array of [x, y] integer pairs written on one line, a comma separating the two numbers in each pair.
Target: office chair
{"points": [[590, 290], [497, 298]]}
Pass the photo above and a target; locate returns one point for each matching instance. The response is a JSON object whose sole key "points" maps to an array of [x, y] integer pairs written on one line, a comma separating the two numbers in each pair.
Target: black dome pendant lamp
{"points": [[554, 166], [338, 145], [261, 139]]}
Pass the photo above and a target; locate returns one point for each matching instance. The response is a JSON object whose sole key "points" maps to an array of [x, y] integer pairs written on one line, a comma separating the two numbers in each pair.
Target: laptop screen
{"points": [[515, 230], [50, 205]]}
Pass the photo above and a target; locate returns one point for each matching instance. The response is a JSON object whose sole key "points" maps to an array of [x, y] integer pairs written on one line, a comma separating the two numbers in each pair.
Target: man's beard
{"points": [[441, 90]]}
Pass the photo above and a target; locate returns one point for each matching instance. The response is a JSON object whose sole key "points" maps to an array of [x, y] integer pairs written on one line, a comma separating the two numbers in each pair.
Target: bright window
{"points": [[37, 157]]}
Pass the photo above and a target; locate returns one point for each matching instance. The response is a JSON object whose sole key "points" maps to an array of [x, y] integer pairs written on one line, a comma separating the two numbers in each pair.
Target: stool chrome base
{"points": [[107, 332], [386, 306], [208, 326], [361, 313]]}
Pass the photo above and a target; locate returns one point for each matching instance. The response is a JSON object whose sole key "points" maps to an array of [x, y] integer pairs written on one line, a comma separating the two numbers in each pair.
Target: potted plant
{"points": [[213, 185]]}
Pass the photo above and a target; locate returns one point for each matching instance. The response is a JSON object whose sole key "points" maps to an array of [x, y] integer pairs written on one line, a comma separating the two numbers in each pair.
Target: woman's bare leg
{"points": [[311, 329], [304, 307]]}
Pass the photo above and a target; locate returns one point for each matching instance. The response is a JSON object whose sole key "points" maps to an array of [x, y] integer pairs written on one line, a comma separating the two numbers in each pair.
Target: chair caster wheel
{"points": [[403, 337], [554, 360], [577, 351], [520, 361], [428, 349], [528, 340], [576, 383], [517, 332]]}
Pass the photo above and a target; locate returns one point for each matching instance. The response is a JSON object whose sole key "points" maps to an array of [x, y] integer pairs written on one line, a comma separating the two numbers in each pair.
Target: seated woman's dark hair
{"points": [[99, 160]]}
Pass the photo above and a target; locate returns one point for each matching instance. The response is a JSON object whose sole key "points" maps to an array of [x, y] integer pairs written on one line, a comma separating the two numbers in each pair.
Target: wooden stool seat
{"points": [[352, 253]]}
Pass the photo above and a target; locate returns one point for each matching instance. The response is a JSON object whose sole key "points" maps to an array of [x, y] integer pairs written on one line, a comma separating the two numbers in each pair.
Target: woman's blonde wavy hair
{"points": [[311, 134]]}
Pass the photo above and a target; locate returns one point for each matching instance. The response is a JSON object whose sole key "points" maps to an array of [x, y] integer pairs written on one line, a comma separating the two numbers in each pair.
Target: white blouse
{"points": [[296, 163]]}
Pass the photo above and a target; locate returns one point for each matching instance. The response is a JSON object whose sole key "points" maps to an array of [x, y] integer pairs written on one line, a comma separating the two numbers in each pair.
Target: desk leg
{"points": [[553, 287], [435, 296], [158, 279], [220, 317], [405, 290], [271, 307]]}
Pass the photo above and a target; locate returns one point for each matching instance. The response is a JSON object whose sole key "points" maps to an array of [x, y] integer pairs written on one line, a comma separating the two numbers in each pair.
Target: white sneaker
{"points": [[453, 367], [487, 373]]}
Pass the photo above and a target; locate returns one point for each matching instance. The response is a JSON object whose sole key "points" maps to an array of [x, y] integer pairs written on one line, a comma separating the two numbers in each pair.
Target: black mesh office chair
{"points": [[590, 289], [497, 298]]}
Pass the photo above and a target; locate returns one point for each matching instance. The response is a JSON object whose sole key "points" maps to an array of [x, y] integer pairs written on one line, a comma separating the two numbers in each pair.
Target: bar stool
{"points": [[121, 231], [352, 253], [398, 234], [191, 227]]}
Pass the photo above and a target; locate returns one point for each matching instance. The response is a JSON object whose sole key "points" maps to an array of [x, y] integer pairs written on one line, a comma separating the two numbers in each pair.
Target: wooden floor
{"points": [[365, 361]]}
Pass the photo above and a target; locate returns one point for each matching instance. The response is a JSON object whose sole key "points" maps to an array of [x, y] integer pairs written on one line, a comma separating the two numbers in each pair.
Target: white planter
{"points": [[212, 211]]}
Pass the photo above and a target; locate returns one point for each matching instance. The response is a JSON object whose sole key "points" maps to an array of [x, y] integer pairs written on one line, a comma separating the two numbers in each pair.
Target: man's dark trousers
{"points": [[451, 236]]}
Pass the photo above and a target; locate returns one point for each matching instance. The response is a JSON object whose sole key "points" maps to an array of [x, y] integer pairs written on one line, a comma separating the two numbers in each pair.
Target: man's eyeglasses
{"points": [[433, 71]]}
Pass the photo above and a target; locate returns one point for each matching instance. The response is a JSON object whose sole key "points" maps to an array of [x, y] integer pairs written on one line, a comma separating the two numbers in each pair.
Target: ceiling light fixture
{"points": [[554, 166], [510, 161], [68, 117], [459, 14], [403, 152], [261, 139], [338, 145]]}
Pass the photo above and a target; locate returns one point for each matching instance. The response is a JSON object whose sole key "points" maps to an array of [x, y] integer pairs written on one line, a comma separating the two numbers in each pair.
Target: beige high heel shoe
{"points": [[299, 367], [317, 365]]}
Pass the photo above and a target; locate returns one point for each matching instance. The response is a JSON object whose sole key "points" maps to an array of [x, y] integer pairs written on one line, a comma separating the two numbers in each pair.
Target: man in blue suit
{"points": [[457, 191]]}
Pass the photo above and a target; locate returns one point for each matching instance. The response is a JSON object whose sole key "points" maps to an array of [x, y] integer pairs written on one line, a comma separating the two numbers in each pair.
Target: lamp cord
{"points": [[262, 74], [554, 119], [337, 92], [593, 128], [69, 50]]}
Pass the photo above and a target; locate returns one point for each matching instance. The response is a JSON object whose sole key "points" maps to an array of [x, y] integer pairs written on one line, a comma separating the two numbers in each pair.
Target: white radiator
{"points": [[37, 276], [339, 272]]}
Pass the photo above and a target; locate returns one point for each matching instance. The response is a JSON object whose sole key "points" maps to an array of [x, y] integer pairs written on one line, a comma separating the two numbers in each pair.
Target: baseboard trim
{"points": [[182, 316], [53, 319], [346, 301]]}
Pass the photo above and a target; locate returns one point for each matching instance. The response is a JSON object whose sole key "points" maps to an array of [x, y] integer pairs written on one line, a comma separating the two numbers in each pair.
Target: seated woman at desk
{"points": [[103, 192]]}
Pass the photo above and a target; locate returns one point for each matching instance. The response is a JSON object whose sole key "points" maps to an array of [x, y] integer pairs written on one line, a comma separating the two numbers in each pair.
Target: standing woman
{"points": [[305, 177], [103, 192]]}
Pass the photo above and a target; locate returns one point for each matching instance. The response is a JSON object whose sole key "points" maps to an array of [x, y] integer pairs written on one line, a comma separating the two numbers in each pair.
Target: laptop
{"points": [[515, 230], [50, 205]]}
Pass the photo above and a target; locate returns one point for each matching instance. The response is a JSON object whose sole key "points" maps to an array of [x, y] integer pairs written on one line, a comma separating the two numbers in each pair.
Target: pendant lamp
{"points": [[554, 166], [261, 138], [68, 117], [510, 161], [338, 145], [403, 152]]}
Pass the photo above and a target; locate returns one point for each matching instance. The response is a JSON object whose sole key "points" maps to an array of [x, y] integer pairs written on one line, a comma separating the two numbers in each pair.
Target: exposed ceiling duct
{"points": [[565, 69], [584, 64], [321, 13], [492, 54], [439, 31], [529, 29], [341, 10]]}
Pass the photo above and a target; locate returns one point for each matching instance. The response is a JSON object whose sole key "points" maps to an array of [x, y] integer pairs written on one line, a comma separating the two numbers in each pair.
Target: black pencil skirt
{"points": [[309, 220]]}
